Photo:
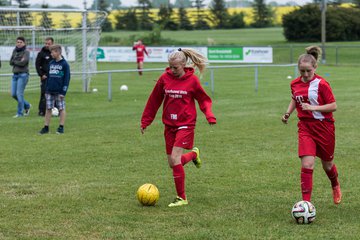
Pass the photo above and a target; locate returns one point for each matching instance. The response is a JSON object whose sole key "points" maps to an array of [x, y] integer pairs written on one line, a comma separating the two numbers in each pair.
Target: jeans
{"points": [[18, 85]]}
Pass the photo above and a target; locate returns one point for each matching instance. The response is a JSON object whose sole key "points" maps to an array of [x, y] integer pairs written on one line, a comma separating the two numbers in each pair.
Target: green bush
{"points": [[304, 24]]}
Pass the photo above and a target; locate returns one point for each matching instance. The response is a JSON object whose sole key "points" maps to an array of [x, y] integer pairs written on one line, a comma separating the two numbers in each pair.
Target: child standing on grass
{"points": [[177, 89], [56, 88], [314, 101]]}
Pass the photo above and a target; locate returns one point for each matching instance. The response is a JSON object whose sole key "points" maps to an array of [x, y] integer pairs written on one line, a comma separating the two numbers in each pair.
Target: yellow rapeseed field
{"points": [[75, 18]]}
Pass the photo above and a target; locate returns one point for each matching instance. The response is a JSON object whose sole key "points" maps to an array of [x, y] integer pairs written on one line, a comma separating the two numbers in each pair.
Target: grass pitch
{"points": [[82, 185]]}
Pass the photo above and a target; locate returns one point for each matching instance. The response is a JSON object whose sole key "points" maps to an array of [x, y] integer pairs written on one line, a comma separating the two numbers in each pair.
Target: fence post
{"points": [[109, 87], [212, 82], [256, 78], [336, 55]]}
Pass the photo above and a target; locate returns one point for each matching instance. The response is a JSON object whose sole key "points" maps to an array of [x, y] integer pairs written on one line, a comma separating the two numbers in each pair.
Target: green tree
{"points": [[25, 17], [184, 22], [145, 21], [220, 15], [304, 24], [3, 20], [200, 22], [65, 22], [46, 20], [127, 21], [165, 20], [236, 20], [357, 3], [104, 6], [263, 14]]}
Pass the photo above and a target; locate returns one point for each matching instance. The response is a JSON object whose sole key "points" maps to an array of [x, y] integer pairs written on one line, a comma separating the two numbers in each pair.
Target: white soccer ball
{"points": [[289, 77], [303, 212], [124, 88], [54, 112], [95, 90]]}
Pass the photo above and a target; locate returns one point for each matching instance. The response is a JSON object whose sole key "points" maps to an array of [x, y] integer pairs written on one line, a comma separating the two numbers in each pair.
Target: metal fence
{"points": [[212, 69], [334, 54]]}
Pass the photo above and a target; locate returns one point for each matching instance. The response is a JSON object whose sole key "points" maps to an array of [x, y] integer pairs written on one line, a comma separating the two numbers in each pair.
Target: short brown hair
{"points": [[55, 47]]}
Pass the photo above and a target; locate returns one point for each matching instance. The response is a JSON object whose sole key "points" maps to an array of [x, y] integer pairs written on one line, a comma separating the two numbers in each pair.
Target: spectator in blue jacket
{"points": [[56, 88]]}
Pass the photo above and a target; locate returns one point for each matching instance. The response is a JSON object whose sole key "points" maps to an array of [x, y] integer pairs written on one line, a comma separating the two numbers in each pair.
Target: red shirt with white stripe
{"points": [[178, 96], [315, 92]]}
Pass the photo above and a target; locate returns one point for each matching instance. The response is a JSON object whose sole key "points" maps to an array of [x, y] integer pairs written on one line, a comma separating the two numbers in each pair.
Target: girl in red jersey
{"points": [[314, 101], [140, 49], [178, 88]]}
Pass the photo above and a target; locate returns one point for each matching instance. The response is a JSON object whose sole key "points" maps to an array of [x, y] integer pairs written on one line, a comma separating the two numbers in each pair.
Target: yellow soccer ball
{"points": [[148, 194]]}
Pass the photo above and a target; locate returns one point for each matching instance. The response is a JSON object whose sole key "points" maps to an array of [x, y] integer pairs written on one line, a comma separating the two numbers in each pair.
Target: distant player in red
{"points": [[177, 89], [314, 101], [140, 49]]}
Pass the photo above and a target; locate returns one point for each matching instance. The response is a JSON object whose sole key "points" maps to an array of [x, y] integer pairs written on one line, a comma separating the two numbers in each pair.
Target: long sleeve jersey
{"points": [[20, 60], [59, 77], [140, 50], [178, 96], [42, 62], [316, 92]]}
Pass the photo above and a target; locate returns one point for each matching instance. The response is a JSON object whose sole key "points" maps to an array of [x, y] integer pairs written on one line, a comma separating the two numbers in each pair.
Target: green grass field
{"points": [[82, 185]]}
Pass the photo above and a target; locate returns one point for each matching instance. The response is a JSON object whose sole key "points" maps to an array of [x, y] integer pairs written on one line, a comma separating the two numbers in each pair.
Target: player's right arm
{"points": [[288, 112], [152, 106]]}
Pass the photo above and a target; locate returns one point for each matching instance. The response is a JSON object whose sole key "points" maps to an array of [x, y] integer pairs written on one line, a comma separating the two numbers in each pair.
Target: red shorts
{"points": [[317, 138], [140, 59], [179, 137]]}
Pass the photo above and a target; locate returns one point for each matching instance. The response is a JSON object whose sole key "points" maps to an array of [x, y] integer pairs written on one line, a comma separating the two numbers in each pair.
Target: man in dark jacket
{"points": [[42, 67]]}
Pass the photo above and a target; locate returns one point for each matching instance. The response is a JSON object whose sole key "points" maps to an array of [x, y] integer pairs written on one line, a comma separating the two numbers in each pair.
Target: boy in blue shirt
{"points": [[56, 88]]}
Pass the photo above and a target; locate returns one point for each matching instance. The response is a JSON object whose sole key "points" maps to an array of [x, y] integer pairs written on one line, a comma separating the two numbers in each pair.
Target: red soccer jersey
{"points": [[178, 95], [140, 50], [316, 92]]}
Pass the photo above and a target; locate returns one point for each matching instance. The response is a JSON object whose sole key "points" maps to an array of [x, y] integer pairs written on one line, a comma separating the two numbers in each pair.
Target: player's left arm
{"points": [[327, 96], [330, 107], [145, 51], [66, 80], [205, 103]]}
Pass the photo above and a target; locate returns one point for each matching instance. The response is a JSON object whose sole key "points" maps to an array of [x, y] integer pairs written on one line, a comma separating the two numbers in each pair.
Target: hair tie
{"points": [[179, 49]]}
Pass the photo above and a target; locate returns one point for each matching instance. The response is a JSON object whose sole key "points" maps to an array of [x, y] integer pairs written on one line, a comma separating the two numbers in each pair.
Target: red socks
{"points": [[306, 183], [179, 179], [333, 176], [187, 157]]}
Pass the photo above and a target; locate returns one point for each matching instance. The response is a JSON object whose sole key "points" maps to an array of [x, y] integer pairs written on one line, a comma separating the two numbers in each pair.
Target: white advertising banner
{"points": [[126, 54], [258, 54], [68, 52]]}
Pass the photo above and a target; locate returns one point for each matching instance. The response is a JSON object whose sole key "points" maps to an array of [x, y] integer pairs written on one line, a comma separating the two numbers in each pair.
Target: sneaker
{"points": [[17, 116], [27, 111], [60, 130], [178, 201], [44, 131], [336, 191], [197, 160]]}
